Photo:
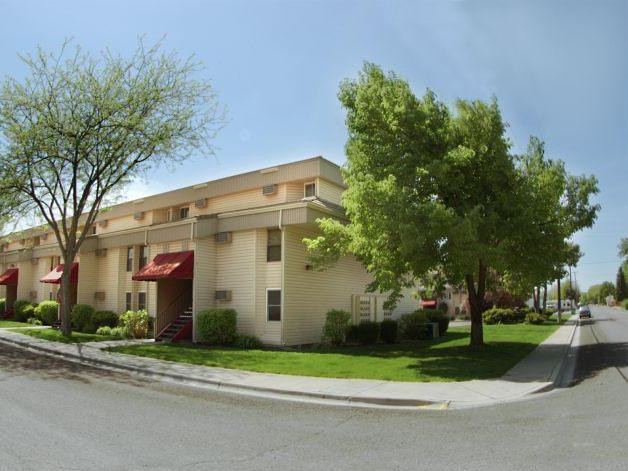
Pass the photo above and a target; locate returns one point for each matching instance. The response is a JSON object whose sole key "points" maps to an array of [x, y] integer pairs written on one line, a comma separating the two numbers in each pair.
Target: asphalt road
{"points": [[58, 415]]}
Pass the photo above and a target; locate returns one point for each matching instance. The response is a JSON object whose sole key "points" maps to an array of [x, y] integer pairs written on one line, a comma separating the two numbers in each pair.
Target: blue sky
{"points": [[558, 68]]}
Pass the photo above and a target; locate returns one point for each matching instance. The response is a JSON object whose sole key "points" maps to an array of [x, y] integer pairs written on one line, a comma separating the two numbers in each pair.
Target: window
{"points": [[129, 301], [129, 259], [93, 230], [273, 303], [141, 300], [273, 250], [50, 296], [143, 256], [309, 190], [184, 212]]}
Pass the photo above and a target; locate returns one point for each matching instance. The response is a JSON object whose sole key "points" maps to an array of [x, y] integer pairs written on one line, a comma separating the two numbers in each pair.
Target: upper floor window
{"points": [[129, 259], [309, 189], [273, 249], [143, 256], [184, 212]]}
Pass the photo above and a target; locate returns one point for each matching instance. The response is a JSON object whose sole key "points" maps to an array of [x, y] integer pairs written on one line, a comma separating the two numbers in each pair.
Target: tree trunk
{"points": [[536, 295], [544, 296], [66, 327], [476, 305], [559, 306]]}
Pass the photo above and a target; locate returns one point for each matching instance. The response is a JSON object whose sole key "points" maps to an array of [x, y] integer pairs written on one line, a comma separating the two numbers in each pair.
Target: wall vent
{"points": [[223, 237], [33, 295], [223, 295], [138, 216], [200, 203], [99, 295], [102, 223], [269, 190], [101, 252], [35, 261]]}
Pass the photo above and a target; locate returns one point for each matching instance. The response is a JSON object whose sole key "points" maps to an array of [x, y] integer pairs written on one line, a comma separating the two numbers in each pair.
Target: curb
{"points": [[219, 385]]}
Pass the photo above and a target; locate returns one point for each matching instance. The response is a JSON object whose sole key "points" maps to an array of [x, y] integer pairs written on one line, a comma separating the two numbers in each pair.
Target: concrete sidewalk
{"points": [[538, 372]]}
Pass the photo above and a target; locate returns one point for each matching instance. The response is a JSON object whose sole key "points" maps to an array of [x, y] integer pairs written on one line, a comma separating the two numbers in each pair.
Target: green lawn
{"points": [[56, 336], [448, 359], [5, 323]]}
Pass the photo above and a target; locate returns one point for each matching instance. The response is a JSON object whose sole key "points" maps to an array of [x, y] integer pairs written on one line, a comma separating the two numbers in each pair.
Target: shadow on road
{"points": [[592, 359], [15, 361]]}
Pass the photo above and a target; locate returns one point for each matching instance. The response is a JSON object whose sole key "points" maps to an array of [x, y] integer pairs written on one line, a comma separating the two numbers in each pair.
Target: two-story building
{"points": [[234, 242]]}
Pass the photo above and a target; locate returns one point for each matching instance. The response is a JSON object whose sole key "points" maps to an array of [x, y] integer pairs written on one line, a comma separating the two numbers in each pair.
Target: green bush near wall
{"points": [[217, 326], [336, 324], [47, 312], [105, 319], [3, 306], [82, 319], [18, 310]]}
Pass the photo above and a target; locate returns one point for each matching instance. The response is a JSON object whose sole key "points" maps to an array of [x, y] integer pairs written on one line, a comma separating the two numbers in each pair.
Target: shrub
{"points": [[247, 342], [413, 326], [624, 303], [534, 318], [33, 321], [336, 324], [388, 331], [441, 318], [104, 330], [135, 324], [105, 319], [82, 318], [499, 316], [47, 312], [352, 334], [3, 306], [18, 310], [28, 312], [217, 326], [444, 307], [368, 332], [118, 332]]}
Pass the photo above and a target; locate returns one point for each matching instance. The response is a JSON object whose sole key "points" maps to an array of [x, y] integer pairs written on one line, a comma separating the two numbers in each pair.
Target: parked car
{"points": [[584, 311]]}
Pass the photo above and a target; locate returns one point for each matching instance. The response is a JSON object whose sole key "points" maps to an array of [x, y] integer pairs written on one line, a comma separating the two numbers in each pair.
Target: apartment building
{"points": [[234, 242]]}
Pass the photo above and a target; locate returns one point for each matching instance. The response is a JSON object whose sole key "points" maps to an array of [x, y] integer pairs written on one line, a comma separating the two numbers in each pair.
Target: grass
{"points": [[5, 323], [56, 336], [447, 359]]}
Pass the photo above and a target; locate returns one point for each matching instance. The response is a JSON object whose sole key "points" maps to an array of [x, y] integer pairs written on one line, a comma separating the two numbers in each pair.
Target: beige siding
{"points": [[234, 271], [204, 275], [329, 191], [25, 284], [267, 276]]}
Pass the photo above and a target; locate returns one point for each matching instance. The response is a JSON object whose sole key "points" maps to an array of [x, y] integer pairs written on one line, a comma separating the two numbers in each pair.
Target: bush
{"points": [[444, 307], [217, 326], [82, 318], [134, 324], [118, 332], [105, 319], [33, 321], [388, 331], [28, 312], [534, 318], [624, 303], [104, 330], [499, 316], [18, 310], [247, 342], [336, 325], [368, 332], [441, 318], [352, 334], [413, 326], [3, 306], [47, 312]]}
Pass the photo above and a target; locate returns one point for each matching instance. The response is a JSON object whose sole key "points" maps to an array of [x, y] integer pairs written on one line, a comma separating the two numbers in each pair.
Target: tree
{"points": [[620, 285], [431, 188], [79, 127]]}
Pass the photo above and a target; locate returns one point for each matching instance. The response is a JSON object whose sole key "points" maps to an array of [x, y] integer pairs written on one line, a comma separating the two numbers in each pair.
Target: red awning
{"points": [[9, 277], [428, 303], [55, 275], [179, 265]]}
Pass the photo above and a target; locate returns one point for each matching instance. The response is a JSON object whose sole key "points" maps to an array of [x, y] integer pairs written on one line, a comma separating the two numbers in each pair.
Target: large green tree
{"points": [[437, 189], [78, 127], [620, 285]]}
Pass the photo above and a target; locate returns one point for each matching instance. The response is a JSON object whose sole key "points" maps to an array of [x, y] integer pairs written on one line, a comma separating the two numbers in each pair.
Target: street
{"points": [[59, 415]]}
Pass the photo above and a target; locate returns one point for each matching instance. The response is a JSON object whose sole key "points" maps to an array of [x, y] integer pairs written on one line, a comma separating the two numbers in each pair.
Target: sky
{"points": [[558, 68]]}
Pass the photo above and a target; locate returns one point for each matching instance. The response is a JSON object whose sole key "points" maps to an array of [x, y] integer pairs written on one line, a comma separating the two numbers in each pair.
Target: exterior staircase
{"points": [[177, 330]]}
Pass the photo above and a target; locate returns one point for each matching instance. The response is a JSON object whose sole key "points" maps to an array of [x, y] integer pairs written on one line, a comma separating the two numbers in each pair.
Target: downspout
{"points": [[283, 273]]}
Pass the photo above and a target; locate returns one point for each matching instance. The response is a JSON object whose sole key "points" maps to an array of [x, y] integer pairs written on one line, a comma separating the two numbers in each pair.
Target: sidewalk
{"points": [[538, 372]]}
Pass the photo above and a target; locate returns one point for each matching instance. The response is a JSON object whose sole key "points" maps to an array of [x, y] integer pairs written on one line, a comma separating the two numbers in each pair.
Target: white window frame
{"points": [[280, 305], [305, 185]]}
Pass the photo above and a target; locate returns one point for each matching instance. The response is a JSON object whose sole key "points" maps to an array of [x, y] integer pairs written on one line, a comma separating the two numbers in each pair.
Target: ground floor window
{"points": [[141, 300], [129, 301], [273, 302]]}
